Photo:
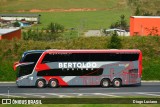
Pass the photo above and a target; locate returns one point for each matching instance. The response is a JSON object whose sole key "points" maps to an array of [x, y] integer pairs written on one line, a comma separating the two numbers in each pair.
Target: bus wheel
{"points": [[53, 83], [105, 83], [41, 83], [117, 82]]}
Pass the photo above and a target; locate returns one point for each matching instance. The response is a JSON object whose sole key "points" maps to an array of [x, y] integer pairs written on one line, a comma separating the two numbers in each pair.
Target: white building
{"points": [[120, 32], [27, 17]]}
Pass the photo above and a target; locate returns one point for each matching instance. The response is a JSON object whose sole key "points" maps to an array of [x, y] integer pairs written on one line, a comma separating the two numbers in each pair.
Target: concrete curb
{"points": [[15, 82], [7, 82], [152, 81]]}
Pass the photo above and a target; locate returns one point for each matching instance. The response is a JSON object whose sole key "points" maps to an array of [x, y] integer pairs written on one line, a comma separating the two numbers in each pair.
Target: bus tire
{"points": [[117, 82], [105, 82], [40, 83], [53, 83]]}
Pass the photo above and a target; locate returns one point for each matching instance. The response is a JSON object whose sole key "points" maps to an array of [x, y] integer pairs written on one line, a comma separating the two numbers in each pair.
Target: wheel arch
{"points": [[41, 79], [117, 78]]}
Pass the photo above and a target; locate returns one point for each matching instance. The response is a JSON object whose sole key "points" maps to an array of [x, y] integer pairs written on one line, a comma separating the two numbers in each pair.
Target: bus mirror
{"points": [[15, 65]]}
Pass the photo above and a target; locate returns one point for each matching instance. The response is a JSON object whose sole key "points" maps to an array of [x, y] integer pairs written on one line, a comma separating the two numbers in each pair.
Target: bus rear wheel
{"points": [[41, 83], [53, 83], [117, 82], [105, 83]]}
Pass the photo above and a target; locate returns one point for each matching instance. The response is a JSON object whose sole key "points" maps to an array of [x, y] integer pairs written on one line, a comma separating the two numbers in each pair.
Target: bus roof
{"points": [[96, 51], [33, 51]]}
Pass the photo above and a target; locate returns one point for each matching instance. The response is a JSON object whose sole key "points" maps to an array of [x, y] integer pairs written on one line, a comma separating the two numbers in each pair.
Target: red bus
{"points": [[55, 68]]}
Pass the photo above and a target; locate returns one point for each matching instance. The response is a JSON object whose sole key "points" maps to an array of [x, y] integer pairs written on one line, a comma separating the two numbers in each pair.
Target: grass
{"points": [[83, 20], [108, 11], [88, 105], [11, 51], [14, 5], [146, 5]]}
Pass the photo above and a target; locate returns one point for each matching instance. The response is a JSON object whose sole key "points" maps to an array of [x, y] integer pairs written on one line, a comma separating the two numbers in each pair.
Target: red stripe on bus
{"points": [[41, 67]]}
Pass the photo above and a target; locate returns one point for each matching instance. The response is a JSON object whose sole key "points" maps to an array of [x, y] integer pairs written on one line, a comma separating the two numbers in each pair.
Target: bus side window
{"points": [[31, 57], [81, 57], [47, 58], [129, 57]]}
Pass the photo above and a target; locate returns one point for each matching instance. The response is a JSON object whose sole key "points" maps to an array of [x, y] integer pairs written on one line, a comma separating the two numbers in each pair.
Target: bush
{"points": [[149, 45], [115, 42], [55, 28], [122, 23], [52, 32], [16, 24], [141, 12]]}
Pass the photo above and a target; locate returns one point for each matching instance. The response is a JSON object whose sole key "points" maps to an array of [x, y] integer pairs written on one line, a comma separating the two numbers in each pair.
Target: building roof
{"points": [[115, 29], [145, 16], [20, 15], [7, 30]]}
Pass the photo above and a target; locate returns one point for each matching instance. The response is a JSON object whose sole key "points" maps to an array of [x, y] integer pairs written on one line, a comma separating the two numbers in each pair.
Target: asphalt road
{"points": [[148, 89]]}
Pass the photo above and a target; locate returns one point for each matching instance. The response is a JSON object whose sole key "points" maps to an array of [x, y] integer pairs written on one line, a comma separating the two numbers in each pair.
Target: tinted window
{"points": [[113, 57], [89, 57], [57, 58], [82, 57], [129, 57], [31, 57], [70, 72], [25, 70]]}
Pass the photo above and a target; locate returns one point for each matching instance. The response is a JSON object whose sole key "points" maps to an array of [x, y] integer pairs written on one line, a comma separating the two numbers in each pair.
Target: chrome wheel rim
{"points": [[53, 83], [40, 84], [105, 83], [117, 83]]}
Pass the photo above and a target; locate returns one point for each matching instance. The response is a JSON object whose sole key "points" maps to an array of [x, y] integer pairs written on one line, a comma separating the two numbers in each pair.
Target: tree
{"points": [[141, 12], [115, 42], [138, 11], [158, 13], [55, 28], [122, 23], [16, 24], [147, 13]]}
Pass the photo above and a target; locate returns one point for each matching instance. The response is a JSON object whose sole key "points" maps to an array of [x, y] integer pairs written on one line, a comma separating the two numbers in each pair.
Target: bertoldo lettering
{"points": [[77, 65]]}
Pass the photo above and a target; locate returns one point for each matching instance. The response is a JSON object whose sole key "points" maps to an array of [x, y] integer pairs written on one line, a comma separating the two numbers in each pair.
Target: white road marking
{"points": [[59, 95], [99, 88], [149, 94], [31, 94], [132, 92], [106, 94], [80, 94], [11, 95], [90, 93]]}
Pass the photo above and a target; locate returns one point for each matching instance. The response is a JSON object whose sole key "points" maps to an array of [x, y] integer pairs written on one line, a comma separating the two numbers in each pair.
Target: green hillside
{"points": [[26, 5], [15, 5], [91, 14], [87, 20], [104, 13], [11, 51]]}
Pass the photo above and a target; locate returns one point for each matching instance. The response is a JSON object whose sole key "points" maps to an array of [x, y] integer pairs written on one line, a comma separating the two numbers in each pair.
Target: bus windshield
{"points": [[27, 64]]}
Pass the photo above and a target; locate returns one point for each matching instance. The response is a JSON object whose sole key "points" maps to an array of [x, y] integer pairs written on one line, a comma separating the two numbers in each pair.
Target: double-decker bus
{"points": [[55, 68]]}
